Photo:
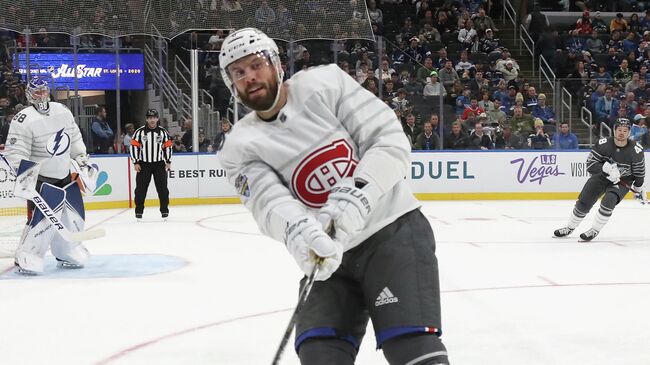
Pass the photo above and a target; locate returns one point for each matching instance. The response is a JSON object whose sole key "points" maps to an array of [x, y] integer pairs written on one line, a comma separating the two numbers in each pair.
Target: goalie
{"points": [[46, 133]]}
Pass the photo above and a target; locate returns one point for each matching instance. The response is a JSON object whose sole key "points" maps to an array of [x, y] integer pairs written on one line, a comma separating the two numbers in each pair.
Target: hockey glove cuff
{"points": [[640, 194], [347, 209]]}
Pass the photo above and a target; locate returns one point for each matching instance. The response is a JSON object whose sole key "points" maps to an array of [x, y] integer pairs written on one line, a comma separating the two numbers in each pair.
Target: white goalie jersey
{"points": [[330, 128], [51, 139]]}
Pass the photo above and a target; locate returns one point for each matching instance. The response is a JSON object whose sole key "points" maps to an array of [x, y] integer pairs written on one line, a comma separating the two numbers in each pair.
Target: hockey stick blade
{"points": [[302, 298]]}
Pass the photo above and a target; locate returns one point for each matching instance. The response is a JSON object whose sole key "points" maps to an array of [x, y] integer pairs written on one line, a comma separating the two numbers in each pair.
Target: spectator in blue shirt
{"points": [[543, 111], [565, 140], [102, 133]]}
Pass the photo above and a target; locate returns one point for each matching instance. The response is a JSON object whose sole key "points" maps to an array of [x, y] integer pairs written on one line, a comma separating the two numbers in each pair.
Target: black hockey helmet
{"points": [[152, 113], [622, 122]]}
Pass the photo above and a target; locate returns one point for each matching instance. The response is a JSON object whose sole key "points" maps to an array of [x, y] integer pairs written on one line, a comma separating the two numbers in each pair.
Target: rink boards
{"points": [[468, 175]]}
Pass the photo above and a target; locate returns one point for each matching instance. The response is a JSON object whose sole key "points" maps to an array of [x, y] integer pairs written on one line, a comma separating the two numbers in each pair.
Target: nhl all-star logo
{"points": [[317, 173], [58, 144]]}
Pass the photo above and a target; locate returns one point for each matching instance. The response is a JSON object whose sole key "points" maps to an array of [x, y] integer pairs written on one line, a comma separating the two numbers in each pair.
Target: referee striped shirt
{"points": [[151, 145]]}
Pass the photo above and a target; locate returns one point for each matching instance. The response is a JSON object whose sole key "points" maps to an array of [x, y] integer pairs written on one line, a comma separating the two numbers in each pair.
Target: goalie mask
{"points": [[241, 44], [38, 94]]}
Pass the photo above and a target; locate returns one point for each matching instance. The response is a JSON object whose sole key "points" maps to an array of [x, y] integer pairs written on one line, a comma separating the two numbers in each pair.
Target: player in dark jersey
{"points": [[616, 165]]}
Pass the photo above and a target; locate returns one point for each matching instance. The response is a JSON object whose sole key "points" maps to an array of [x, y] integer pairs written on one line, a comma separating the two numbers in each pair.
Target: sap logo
{"points": [[451, 170]]}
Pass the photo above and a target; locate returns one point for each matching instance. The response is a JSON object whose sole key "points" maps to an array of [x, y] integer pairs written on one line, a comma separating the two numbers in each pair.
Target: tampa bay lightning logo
{"points": [[58, 144]]}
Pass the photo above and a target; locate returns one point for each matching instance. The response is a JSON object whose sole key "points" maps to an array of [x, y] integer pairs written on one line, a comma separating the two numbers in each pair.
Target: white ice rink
{"points": [[206, 288]]}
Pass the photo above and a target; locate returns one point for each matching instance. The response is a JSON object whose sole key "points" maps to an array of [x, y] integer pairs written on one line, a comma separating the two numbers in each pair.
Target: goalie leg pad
{"points": [[38, 234], [71, 254]]}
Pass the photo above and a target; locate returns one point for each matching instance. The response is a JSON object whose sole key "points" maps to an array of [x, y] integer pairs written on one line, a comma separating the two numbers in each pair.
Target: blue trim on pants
{"points": [[324, 332], [389, 333]]}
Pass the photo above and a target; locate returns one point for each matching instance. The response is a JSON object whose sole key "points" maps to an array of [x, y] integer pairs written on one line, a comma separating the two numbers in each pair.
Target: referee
{"points": [[151, 154]]}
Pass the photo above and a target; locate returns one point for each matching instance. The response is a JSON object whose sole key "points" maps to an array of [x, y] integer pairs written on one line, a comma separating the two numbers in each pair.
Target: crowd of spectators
{"points": [[605, 63]]}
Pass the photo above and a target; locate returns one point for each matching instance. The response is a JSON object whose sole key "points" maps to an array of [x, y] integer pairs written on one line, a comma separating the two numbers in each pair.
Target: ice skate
{"points": [[563, 232], [589, 235]]}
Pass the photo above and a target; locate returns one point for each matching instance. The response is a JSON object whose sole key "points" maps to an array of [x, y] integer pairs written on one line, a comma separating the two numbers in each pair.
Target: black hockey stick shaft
{"points": [[302, 298]]}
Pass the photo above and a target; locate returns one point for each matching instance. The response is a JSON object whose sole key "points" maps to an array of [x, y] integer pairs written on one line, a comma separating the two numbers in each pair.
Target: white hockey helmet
{"points": [[245, 42]]}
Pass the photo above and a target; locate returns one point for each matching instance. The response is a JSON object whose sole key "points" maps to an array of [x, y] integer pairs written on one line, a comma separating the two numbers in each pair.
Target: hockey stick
{"points": [[29, 193], [302, 298]]}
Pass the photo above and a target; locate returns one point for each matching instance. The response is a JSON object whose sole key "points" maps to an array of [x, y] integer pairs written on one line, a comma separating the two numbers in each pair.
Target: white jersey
{"points": [[330, 128], [51, 139]]}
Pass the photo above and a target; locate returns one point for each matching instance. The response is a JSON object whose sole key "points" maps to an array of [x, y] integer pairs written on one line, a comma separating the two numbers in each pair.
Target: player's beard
{"points": [[261, 102]]}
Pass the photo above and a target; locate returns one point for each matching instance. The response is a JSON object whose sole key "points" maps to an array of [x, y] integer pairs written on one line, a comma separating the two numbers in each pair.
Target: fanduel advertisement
{"points": [[95, 71]]}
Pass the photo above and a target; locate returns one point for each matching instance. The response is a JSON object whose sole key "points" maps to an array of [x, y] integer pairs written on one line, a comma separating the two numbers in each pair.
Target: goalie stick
{"points": [[24, 182]]}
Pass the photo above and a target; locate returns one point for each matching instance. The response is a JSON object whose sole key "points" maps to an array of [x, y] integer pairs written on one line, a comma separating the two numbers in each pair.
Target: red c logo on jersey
{"points": [[317, 173]]}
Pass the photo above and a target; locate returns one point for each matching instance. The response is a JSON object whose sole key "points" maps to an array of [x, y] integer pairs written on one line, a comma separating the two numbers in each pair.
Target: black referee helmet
{"points": [[152, 113]]}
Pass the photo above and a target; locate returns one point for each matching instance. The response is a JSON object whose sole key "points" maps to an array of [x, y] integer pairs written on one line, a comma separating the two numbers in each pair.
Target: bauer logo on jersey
{"points": [[58, 144], [317, 173]]}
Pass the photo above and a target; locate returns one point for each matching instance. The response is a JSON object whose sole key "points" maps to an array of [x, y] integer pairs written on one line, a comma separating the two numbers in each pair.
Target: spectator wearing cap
{"points": [[415, 53], [639, 128], [539, 140], [619, 23], [491, 45], [583, 25], [505, 58], [448, 75], [433, 87], [564, 139], [598, 24], [543, 111], [594, 44]]}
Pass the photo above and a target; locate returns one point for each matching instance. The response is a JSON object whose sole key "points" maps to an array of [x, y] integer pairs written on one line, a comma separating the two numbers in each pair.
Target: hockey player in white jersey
{"points": [[320, 152], [46, 133]]}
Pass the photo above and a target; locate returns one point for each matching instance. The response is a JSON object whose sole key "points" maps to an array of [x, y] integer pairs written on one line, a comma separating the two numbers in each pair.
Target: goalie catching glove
{"points": [[612, 173], [87, 173], [640, 194], [306, 241], [347, 208]]}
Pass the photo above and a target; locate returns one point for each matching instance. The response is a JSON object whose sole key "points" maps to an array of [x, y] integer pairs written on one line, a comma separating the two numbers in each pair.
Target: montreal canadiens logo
{"points": [[58, 144], [317, 173]]}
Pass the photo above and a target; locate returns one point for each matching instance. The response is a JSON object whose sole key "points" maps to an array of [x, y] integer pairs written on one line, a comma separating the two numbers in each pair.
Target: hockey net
{"points": [[13, 215]]}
